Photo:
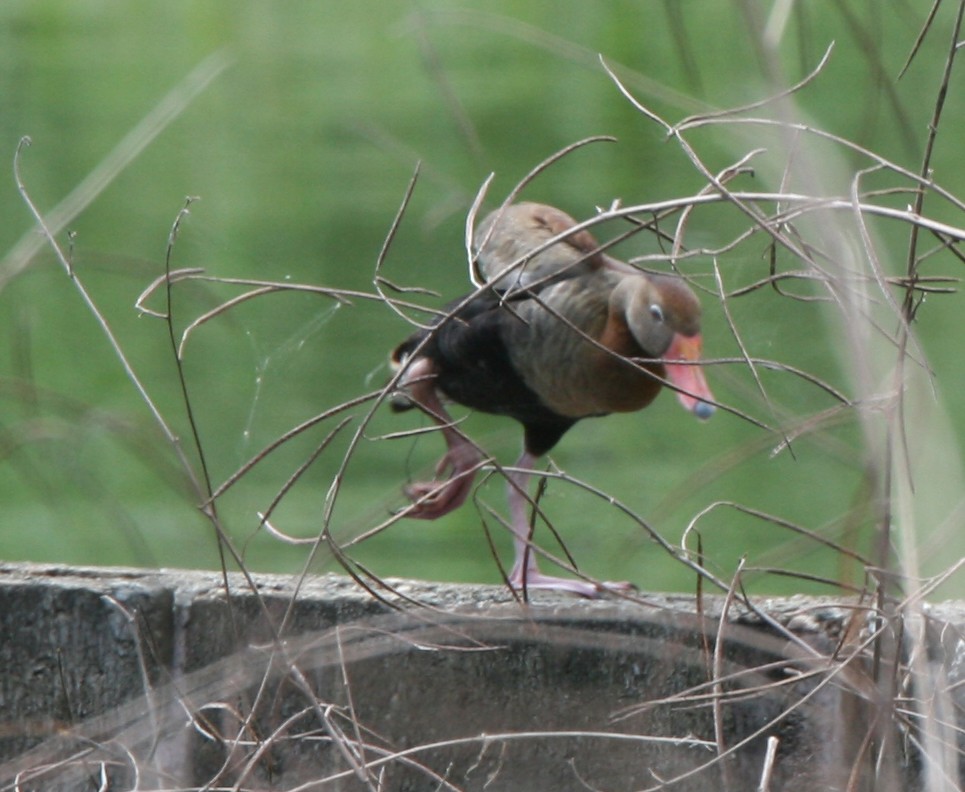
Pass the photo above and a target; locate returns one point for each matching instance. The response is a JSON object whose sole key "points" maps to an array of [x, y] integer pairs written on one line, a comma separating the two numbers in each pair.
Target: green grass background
{"points": [[300, 151]]}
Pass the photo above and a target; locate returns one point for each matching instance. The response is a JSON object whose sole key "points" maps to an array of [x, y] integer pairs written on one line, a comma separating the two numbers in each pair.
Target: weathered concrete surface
{"points": [[152, 676]]}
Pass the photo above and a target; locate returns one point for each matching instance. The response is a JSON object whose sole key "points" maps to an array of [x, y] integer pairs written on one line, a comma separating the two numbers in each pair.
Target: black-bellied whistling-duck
{"points": [[551, 341]]}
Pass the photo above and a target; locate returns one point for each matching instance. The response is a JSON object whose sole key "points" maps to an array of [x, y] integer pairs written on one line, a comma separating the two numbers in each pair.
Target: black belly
{"points": [[473, 368]]}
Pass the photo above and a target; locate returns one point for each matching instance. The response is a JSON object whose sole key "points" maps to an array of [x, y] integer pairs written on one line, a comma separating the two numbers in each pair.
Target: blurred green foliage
{"points": [[300, 151]]}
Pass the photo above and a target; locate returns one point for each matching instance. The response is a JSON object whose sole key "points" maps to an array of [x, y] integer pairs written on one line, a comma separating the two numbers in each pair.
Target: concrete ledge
{"points": [[159, 680]]}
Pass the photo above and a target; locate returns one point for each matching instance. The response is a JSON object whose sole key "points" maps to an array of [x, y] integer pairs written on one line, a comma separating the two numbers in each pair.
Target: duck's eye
{"points": [[656, 312]]}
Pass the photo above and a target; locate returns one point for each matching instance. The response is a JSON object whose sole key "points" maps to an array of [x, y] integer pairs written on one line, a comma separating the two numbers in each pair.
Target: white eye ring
{"points": [[656, 312]]}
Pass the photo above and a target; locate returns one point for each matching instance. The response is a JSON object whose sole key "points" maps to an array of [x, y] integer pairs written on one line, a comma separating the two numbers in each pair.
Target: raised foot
{"points": [[431, 499]]}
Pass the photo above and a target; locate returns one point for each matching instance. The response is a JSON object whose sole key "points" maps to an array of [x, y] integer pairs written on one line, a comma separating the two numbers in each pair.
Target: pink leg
{"points": [[431, 499], [525, 573]]}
